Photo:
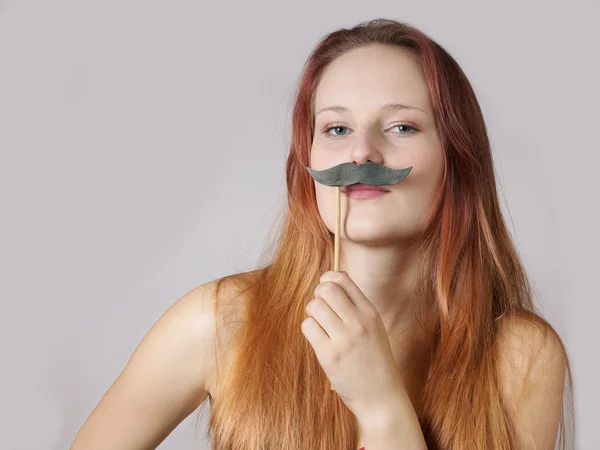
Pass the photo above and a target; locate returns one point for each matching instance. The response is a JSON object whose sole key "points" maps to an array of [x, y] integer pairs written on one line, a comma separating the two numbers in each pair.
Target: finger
{"points": [[330, 322], [354, 293], [317, 338], [337, 299]]}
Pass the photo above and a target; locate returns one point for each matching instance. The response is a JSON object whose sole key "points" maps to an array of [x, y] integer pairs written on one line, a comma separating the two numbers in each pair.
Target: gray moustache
{"points": [[349, 173]]}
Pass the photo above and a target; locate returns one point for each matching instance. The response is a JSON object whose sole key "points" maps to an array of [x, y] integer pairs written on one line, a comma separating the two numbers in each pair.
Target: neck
{"points": [[386, 275]]}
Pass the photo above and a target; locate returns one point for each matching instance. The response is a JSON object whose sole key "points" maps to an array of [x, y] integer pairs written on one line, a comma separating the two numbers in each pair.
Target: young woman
{"points": [[428, 338]]}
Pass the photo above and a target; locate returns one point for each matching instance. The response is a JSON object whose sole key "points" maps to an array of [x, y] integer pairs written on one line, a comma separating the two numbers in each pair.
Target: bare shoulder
{"points": [[532, 369], [529, 347], [169, 374], [229, 301], [210, 315]]}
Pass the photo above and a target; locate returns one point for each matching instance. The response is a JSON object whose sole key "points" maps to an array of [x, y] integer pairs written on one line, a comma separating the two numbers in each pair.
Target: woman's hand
{"points": [[352, 345]]}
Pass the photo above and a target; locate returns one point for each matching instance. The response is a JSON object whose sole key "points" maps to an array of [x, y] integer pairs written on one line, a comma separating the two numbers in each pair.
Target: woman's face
{"points": [[363, 81]]}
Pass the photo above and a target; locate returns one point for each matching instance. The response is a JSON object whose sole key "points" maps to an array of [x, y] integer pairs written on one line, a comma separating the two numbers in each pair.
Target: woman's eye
{"points": [[410, 128], [335, 127]]}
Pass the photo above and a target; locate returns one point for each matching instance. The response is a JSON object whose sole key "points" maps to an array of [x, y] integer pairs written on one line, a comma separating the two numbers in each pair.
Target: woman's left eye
{"points": [[412, 129]]}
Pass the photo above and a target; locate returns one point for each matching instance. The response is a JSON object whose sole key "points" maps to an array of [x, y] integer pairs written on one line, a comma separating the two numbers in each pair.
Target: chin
{"points": [[377, 235], [369, 234]]}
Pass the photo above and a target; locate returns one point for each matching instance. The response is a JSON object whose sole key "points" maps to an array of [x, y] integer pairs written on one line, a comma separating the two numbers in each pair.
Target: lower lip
{"points": [[364, 193]]}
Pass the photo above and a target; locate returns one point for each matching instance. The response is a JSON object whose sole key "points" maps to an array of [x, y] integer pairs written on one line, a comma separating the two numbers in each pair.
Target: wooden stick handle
{"points": [[336, 256], [336, 248]]}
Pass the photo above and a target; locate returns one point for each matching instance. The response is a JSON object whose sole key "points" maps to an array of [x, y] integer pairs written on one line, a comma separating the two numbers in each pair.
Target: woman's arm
{"points": [[164, 381]]}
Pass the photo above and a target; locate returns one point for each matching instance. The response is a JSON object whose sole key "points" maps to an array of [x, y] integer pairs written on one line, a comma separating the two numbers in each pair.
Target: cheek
{"points": [[321, 158], [423, 182], [325, 199], [325, 195], [437, 163], [428, 166], [429, 185]]}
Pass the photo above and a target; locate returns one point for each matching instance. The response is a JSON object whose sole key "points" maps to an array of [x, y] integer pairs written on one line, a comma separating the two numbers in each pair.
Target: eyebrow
{"points": [[387, 107]]}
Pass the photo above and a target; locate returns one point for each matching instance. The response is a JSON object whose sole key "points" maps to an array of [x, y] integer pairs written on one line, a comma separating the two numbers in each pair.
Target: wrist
{"points": [[394, 420], [386, 414]]}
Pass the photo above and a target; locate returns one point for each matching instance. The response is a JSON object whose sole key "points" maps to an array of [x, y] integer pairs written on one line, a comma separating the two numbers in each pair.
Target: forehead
{"points": [[371, 76]]}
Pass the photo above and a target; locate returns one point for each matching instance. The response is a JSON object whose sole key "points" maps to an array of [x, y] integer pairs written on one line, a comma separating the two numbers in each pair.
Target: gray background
{"points": [[118, 119]]}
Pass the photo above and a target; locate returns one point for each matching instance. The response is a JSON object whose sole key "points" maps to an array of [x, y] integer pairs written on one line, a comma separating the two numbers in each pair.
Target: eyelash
{"points": [[331, 127]]}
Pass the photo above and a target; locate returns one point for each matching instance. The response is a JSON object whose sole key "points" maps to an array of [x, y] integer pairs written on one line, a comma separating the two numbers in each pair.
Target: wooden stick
{"points": [[336, 257], [336, 248]]}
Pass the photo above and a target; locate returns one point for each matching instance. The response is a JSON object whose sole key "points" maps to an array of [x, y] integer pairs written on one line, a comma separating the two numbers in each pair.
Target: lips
{"points": [[364, 187]]}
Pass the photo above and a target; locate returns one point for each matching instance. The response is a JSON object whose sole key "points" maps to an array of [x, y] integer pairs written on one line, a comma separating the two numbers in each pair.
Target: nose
{"points": [[364, 149]]}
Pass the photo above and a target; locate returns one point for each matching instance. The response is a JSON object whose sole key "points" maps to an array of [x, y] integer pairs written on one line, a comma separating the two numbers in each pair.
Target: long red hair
{"points": [[275, 394]]}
